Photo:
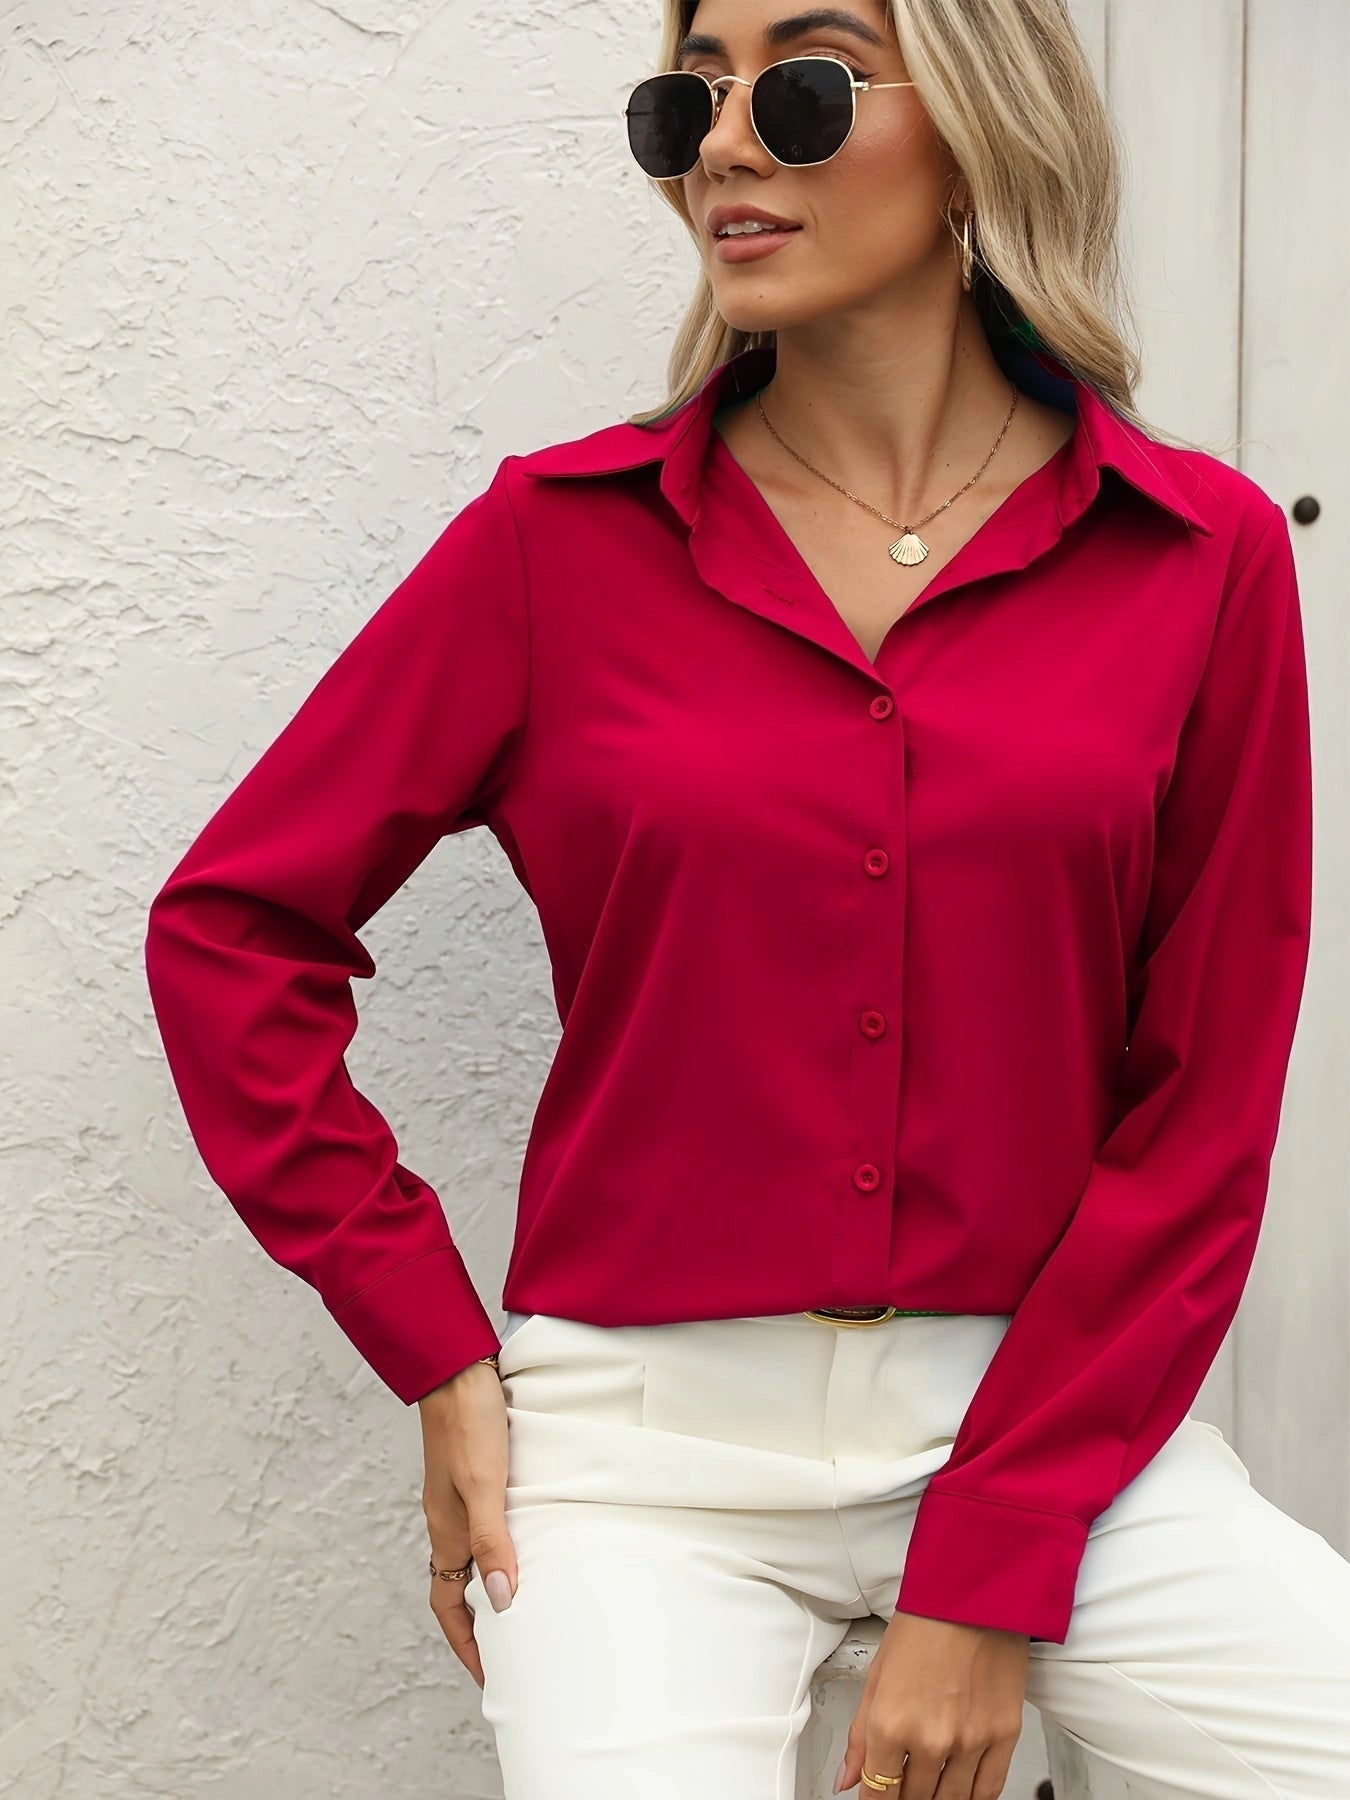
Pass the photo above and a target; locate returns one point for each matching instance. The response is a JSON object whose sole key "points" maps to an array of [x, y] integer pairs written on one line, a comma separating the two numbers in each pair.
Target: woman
{"points": [[908, 755]]}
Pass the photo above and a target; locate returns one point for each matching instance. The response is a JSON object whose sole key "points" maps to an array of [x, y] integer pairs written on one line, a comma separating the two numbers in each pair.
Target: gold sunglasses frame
{"points": [[717, 86]]}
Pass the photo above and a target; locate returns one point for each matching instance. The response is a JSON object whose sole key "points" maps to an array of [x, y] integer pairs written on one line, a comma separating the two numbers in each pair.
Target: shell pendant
{"points": [[908, 549]]}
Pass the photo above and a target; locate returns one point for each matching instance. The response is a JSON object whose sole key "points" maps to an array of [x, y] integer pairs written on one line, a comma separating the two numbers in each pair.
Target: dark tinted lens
{"points": [[668, 118], [803, 109]]}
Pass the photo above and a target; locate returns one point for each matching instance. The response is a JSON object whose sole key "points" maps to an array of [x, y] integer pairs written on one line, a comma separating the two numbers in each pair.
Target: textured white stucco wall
{"points": [[283, 281]]}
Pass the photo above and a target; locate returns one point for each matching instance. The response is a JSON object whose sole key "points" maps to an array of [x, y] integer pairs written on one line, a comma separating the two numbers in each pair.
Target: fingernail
{"points": [[839, 1778], [498, 1589]]}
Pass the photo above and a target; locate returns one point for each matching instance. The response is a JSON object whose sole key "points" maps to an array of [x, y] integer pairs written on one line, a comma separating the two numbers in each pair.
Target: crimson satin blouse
{"points": [[964, 979]]}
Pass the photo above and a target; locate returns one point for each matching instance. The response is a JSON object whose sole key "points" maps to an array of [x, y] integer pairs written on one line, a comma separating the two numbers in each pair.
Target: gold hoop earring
{"points": [[967, 253]]}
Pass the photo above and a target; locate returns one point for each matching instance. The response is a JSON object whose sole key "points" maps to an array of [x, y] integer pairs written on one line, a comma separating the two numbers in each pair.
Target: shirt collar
{"points": [[679, 440]]}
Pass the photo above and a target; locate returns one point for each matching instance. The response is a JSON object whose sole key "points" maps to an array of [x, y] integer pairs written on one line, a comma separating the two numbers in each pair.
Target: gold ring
{"points": [[880, 1782]]}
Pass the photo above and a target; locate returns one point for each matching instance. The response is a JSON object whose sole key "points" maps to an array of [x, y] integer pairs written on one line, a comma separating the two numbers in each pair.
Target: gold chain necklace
{"points": [[909, 547]]}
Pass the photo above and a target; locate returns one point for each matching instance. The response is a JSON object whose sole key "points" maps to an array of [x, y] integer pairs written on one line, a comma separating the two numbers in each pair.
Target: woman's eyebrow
{"points": [[782, 31]]}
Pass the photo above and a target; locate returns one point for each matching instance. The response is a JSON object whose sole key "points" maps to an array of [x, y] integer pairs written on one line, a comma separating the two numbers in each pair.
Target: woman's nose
{"points": [[732, 134]]}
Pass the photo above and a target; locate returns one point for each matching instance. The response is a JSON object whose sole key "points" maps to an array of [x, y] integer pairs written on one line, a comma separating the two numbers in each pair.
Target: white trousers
{"points": [[700, 1509]]}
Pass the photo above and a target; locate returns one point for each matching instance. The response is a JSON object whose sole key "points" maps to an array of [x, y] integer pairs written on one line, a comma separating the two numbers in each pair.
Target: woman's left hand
{"points": [[942, 1707]]}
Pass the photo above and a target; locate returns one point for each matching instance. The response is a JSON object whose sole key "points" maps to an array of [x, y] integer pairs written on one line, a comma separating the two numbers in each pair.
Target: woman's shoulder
{"points": [[609, 449], [1234, 504]]}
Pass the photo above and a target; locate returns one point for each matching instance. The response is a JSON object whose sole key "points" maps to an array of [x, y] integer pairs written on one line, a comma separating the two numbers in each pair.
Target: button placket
{"points": [[878, 936]]}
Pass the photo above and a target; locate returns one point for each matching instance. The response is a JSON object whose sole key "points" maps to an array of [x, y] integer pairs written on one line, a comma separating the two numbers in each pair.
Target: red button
{"points": [[876, 862], [872, 1024], [866, 1176], [882, 706]]}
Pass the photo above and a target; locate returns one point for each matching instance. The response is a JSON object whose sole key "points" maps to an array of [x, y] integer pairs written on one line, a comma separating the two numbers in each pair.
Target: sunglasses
{"points": [[802, 110]]}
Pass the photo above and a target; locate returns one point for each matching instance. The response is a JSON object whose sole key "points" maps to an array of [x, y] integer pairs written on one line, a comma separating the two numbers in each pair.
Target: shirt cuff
{"points": [[994, 1564], [420, 1324]]}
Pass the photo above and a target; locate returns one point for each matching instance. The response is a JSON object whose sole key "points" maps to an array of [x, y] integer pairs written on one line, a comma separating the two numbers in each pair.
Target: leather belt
{"points": [[852, 1315], [870, 1315]]}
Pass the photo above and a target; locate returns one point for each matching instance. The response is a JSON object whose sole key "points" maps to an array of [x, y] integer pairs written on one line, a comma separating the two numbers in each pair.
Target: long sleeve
{"points": [[251, 944], [1106, 1353]]}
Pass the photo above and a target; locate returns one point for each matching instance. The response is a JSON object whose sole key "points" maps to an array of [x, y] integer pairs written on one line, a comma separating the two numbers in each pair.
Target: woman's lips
{"points": [[749, 246]]}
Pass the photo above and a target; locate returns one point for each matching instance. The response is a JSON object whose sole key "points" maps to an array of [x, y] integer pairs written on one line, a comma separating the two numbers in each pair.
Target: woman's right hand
{"points": [[464, 1448]]}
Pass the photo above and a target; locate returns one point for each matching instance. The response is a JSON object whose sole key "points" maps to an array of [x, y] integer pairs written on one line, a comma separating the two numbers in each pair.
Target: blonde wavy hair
{"points": [[1011, 89]]}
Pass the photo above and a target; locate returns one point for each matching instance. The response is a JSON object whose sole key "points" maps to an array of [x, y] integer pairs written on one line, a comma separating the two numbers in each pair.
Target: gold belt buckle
{"points": [[847, 1316]]}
